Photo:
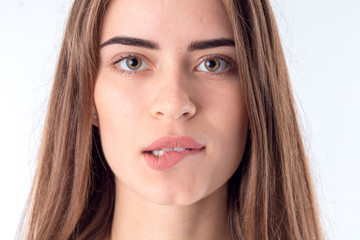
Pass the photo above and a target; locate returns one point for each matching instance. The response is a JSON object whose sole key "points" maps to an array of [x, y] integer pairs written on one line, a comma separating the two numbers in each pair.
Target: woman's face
{"points": [[170, 71]]}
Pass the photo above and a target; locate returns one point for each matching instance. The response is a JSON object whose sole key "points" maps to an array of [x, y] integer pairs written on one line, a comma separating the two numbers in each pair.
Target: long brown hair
{"points": [[270, 196]]}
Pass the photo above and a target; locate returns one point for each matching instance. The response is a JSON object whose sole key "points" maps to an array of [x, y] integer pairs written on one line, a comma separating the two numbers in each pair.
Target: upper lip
{"points": [[174, 142]]}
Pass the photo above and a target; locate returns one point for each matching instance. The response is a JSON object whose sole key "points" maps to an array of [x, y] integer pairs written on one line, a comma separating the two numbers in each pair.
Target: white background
{"points": [[321, 40]]}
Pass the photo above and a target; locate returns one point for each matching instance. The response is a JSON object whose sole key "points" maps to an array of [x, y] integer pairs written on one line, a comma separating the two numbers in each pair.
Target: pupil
{"points": [[134, 62], [211, 64]]}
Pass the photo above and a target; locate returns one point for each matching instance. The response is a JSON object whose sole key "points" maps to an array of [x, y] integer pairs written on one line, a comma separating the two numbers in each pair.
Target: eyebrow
{"points": [[131, 42], [212, 43], [195, 45]]}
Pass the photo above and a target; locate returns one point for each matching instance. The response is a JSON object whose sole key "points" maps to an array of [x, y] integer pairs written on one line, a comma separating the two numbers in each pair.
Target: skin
{"points": [[169, 96]]}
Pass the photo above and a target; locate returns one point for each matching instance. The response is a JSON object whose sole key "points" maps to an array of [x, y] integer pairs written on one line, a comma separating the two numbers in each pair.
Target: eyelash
{"points": [[229, 61], [122, 57], [229, 69]]}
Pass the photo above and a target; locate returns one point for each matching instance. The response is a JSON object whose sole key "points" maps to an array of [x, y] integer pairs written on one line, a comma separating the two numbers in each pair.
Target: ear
{"points": [[94, 116]]}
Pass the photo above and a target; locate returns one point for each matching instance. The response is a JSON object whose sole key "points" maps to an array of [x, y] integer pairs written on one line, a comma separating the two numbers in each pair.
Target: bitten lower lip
{"points": [[170, 158]]}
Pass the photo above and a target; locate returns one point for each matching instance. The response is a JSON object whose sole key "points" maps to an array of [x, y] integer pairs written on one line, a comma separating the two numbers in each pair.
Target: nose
{"points": [[172, 100]]}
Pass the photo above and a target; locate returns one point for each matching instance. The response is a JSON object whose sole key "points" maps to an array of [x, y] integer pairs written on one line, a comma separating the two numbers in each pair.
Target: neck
{"points": [[138, 218]]}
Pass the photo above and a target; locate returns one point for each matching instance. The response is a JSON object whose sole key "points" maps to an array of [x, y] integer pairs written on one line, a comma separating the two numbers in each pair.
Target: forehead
{"points": [[169, 22]]}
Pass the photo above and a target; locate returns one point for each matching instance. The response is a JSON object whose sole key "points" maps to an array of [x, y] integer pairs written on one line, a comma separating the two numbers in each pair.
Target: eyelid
{"points": [[123, 56], [231, 63]]}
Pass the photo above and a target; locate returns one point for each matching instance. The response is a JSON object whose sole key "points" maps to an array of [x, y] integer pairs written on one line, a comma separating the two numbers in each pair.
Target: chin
{"points": [[174, 201], [176, 195], [170, 195]]}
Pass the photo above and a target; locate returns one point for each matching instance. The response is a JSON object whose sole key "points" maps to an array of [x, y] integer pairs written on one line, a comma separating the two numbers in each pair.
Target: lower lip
{"points": [[167, 160]]}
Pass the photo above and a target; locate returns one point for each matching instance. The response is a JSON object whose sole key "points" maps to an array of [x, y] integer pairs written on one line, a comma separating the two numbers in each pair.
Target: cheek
{"points": [[227, 115], [233, 123], [225, 123], [119, 111], [117, 106]]}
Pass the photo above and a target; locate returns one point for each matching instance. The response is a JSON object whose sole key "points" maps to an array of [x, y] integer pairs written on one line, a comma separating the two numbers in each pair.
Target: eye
{"points": [[213, 64], [132, 63]]}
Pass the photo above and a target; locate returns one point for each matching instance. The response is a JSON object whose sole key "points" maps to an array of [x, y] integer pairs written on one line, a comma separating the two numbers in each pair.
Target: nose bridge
{"points": [[172, 98]]}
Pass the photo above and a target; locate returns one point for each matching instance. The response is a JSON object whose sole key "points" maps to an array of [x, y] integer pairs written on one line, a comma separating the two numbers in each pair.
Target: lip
{"points": [[170, 158], [174, 142]]}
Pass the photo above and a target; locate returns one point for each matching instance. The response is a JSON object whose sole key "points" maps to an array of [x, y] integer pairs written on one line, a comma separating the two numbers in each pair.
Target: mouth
{"points": [[167, 151], [160, 152], [177, 144]]}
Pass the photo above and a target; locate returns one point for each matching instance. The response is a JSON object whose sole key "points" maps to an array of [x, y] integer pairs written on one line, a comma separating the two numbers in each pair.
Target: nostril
{"points": [[158, 114], [173, 105], [187, 114]]}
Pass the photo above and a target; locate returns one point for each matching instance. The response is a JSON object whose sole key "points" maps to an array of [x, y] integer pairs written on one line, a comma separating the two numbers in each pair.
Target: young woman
{"points": [[171, 120]]}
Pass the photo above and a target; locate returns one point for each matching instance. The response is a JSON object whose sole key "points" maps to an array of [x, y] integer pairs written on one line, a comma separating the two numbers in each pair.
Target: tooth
{"points": [[161, 152], [179, 149], [158, 153]]}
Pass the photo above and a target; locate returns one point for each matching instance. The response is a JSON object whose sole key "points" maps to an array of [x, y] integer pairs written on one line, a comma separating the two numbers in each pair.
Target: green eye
{"points": [[213, 64]]}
